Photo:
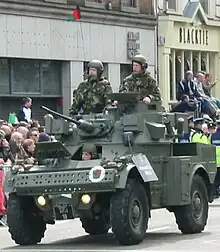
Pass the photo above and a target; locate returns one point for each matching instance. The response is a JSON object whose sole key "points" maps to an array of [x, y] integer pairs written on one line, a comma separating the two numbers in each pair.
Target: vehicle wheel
{"points": [[129, 213], [97, 226], [26, 226], [192, 218]]}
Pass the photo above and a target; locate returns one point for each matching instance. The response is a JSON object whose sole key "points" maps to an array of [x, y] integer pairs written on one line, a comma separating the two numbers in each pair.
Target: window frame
{"points": [[11, 93], [131, 9]]}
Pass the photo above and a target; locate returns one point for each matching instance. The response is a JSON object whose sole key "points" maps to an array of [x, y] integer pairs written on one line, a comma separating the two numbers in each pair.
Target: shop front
{"points": [[188, 42]]}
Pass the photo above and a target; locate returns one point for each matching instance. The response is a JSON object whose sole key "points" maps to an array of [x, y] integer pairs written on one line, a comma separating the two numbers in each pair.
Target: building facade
{"points": [[188, 39], [44, 56]]}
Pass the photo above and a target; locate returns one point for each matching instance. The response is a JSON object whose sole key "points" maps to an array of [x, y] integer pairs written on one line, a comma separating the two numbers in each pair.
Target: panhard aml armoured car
{"points": [[136, 165]]}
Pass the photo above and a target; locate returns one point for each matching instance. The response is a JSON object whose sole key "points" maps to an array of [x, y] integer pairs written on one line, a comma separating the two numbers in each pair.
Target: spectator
{"points": [[34, 134], [25, 113], [187, 87]]}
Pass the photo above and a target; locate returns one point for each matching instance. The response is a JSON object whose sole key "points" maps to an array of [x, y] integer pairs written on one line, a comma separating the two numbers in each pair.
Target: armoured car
{"points": [[111, 170]]}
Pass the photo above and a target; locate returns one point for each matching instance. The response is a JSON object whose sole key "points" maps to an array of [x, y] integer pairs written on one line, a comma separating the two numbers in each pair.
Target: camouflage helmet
{"points": [[91, 148], [140, 59], [97, 64]]}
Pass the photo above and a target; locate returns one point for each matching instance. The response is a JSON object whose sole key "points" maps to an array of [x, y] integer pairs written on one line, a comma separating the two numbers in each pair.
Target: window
{"points": [[129, 3], [25, 76], [30, 77], [132, 6], [105, 73], [95, 1], [51, 77], [125, 70], [172, 4], [205, 5], [4, 76]]}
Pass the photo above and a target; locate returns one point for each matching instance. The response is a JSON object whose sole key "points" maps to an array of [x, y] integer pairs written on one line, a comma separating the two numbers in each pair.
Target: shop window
{"points": [[51, 77], [25, 76], [178, 69], [195, 65], [125, 70], [171, 79], [4, 76], [186, 65], [203, 65], [85, 67]]}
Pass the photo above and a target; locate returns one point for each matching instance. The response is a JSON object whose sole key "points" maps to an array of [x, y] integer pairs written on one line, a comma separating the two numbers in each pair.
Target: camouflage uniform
{"points": [[91, 94], [141, 82]]}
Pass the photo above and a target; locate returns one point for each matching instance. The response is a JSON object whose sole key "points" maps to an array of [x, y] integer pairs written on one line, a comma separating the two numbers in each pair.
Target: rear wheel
{"points": [[192, 218], [25, 223]]}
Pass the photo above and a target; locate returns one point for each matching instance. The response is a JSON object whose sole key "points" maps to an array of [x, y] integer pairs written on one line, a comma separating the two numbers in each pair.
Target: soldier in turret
{"points": [[141, 81], [91, 94]]}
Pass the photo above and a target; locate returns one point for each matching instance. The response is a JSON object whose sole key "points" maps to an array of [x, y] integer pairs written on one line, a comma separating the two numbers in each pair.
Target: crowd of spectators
{"points": [[195, 91], [17, 143]]}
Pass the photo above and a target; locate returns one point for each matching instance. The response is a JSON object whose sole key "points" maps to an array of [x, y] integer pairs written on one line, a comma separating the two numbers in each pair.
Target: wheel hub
{"points": [[197, 205], [135, 213]]}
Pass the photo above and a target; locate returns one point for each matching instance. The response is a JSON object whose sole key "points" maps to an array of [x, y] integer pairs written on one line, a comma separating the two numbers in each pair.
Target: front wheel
{"points": [[25, 223], [97, 226], [192, 218], [129, 212]]}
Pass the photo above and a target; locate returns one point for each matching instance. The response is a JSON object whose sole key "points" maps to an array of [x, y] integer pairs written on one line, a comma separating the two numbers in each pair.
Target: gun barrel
{"points": [[83, 125], [61, 116]]}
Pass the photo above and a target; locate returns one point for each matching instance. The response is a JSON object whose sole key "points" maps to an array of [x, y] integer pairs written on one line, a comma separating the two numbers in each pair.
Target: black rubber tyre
{"points": [[25, 224], [97, 227], [192, 218], [129, 213]]}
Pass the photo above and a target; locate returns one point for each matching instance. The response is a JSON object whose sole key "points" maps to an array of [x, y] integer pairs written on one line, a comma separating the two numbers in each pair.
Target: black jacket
{"points": [[183, 89]]}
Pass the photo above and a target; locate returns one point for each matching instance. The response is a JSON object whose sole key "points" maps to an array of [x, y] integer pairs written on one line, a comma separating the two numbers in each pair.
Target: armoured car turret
{"points": [[135, 164]]}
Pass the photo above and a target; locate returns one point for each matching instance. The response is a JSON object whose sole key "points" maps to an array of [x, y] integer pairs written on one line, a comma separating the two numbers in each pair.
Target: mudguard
{"points": [[142, 166], [210, 175]]}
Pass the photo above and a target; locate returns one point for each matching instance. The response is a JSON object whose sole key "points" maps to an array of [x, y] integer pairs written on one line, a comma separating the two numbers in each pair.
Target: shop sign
{"points": [[193, 36], [132, 44]]}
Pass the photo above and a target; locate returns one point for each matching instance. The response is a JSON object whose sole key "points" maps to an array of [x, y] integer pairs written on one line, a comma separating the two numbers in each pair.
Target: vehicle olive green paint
{"points": [[138, 165]]}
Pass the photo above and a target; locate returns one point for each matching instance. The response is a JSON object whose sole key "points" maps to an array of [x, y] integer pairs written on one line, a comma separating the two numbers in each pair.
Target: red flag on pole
{"points": [[76, 13]]}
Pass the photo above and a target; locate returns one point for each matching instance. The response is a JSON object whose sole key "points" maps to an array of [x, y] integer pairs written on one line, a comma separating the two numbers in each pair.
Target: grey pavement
{"points": [[162, 235]]}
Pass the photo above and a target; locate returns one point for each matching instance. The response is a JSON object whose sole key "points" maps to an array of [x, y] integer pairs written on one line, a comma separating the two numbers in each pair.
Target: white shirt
{"points": [[27, 113]]}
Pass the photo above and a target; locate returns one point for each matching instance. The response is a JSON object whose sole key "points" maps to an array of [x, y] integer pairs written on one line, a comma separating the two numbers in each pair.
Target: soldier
{"points": [[199, 136], [89, 152], [141, 81], [91, 94]]}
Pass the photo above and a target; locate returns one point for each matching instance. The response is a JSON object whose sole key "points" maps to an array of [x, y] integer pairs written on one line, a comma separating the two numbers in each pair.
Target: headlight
{"points": [[85, 199], [41, 201]]}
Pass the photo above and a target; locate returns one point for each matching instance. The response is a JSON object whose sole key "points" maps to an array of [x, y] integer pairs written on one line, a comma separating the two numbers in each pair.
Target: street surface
{"points": [[162, 235]]}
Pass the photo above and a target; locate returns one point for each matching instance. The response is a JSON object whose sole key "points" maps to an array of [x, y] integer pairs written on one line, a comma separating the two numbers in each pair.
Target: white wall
{"points": [[30, 37]]}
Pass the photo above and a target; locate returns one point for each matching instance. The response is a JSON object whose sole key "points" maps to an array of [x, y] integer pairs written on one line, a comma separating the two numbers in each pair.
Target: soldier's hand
{"points": [[115, 103], [147, 100]]}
